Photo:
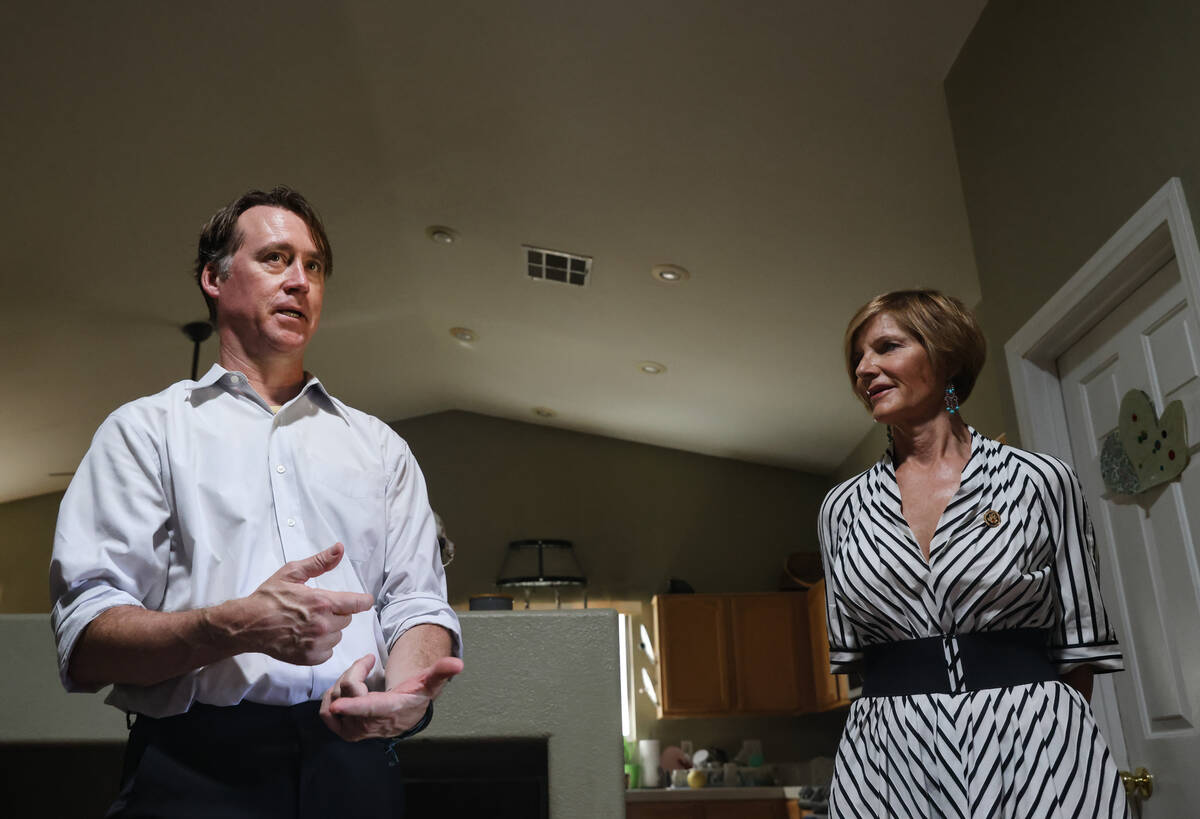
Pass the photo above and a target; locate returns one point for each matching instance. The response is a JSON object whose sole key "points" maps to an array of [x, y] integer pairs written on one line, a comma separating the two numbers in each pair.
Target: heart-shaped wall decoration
{"points": [[1144, 450]]}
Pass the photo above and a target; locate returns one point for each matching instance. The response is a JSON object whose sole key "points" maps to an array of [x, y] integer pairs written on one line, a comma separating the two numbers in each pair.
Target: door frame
{"points": [[1160, 229]]}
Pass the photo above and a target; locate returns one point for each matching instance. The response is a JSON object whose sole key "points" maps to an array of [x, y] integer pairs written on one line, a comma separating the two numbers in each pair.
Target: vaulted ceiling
{"points": [[795, 157]]}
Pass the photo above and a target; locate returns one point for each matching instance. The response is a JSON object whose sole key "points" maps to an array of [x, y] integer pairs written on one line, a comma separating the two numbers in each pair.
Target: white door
{"points": [[1147, 546]]}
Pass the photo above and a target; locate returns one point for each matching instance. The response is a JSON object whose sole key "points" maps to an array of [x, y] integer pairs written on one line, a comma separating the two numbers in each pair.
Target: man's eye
{"points": [[274, 257]]}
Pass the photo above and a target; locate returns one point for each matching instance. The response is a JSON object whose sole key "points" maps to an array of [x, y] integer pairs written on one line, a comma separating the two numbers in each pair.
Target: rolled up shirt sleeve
{"points": [[413, 591], [113, 538], [1085, 634]]}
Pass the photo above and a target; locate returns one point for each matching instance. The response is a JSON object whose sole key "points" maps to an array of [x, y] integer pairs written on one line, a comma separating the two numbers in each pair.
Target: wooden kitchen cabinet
{"points": [[746, 809], [692, 635], [664, 810], [724, 654], [771, 654], [724, 809]]}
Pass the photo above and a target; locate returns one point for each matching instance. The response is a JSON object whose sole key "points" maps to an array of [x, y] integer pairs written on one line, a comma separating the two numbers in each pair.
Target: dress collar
{"points": [[967, 506]]}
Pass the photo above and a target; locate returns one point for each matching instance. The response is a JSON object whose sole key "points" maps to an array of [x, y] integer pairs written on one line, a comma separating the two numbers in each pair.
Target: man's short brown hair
{"points": [[942, 324], [220, 238]]}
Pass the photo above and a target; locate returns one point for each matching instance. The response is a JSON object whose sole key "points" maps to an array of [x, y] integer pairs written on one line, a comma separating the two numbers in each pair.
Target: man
{"points": [[252, 563]]}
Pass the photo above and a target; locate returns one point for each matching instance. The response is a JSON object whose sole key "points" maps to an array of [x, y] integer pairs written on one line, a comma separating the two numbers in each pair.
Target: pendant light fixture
{"points": [[197, 331], [542, 563]]}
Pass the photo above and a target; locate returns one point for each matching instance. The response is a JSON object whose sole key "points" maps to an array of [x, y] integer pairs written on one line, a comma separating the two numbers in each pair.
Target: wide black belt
{"points": [[989, 659]]}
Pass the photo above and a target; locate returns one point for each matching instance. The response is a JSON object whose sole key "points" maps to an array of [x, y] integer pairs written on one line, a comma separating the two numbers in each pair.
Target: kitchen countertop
{"points": [[715, 794]]}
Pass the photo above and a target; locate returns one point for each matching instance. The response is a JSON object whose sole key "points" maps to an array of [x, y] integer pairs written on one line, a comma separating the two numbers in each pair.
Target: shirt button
{"points": [[291, 522], [281, 469], [235, 379]]}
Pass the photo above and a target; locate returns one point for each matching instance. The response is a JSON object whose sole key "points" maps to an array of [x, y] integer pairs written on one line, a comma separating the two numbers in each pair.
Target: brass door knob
{"points": [[1140, 783]]}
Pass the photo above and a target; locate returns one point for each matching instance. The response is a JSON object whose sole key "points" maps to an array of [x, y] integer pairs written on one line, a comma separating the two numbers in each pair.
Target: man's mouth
{"points": [[293, 313]]}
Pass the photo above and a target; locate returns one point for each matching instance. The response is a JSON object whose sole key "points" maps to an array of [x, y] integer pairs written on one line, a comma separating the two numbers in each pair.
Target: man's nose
{"points": [[295, 278]]}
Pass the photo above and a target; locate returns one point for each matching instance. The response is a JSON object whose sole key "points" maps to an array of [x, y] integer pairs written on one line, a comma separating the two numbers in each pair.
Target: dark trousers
{"points": [[252, 760]]}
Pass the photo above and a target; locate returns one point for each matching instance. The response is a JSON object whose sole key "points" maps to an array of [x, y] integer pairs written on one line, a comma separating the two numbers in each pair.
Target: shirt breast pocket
{"points": [[348, 502], [346, 478]]}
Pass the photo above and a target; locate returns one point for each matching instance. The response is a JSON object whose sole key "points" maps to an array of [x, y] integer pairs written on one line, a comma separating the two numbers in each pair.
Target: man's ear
{"points": [[210, 281]]}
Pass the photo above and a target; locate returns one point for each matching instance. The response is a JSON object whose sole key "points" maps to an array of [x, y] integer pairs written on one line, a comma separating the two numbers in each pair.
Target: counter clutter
{"points": [[676, 774]]}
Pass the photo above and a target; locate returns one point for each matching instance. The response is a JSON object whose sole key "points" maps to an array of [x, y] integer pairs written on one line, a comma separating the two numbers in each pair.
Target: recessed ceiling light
{"points": [[544, 412], [441, 234], [464, 334], [651, 367], [669, 273]]}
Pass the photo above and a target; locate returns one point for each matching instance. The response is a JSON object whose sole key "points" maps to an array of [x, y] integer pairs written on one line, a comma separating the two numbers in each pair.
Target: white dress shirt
{"points": [[198, 494]]}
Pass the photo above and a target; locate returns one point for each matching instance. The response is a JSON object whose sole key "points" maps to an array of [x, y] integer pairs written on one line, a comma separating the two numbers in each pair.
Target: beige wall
{"points": [[26, 534], [636, 513], [1067, 117]]}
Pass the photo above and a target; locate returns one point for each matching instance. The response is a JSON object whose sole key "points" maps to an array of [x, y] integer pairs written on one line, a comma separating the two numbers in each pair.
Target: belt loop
{"points": [[954, 668]]}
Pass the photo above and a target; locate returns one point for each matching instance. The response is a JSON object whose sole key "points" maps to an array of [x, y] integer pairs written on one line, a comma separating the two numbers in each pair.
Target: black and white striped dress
{"points": [[1023, 751]]}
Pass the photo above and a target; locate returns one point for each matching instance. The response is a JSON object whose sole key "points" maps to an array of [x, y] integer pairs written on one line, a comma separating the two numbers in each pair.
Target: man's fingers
{"points": [[353, 682], [316, 565], [430, 680], [358, 670], [350, 602], [441, 672], [376, 704], [331, 722]]}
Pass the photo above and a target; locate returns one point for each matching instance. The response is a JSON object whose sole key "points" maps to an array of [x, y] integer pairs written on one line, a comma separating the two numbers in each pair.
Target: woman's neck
{"points": [[931, 440]]}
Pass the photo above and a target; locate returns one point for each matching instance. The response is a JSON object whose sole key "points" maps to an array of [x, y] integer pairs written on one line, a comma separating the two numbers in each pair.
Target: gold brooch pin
{"points": [[992, 518]]}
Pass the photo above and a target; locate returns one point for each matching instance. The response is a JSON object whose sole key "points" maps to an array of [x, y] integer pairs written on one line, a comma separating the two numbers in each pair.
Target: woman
{"points": [[961, 581]]}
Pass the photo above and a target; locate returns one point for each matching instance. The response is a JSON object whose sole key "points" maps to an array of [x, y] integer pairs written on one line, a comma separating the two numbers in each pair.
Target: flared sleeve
{"points": [[1084, 634], [845, 653]]}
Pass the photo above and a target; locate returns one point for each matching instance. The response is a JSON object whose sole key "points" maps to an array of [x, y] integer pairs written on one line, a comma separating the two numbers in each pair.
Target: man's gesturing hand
{"points": [[292, 622], [353, 713]]}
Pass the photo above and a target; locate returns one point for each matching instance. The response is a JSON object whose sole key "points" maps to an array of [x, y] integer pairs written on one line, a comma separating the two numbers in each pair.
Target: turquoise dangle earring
{"points": [[951, 399]]}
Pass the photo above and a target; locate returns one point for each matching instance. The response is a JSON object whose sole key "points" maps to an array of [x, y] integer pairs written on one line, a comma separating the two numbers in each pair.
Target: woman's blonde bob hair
{"points": [[943, 325]]}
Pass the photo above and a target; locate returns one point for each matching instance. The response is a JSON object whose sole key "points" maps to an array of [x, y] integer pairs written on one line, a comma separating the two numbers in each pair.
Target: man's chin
{"points": [[288, 343]]}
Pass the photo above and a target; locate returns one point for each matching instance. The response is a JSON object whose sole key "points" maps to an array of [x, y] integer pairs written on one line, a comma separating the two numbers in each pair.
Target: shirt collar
{"points": [[233, 381]]}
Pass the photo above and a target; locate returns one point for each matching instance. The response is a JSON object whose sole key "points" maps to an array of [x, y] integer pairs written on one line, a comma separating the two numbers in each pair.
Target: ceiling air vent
{"points": [[556, 266]]}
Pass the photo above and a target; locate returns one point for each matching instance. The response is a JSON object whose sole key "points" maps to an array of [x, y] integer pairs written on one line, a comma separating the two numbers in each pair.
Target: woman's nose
{"points": [[866, 366]]}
